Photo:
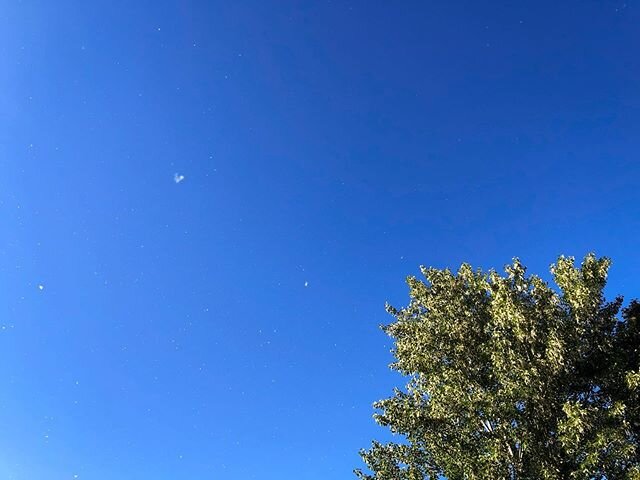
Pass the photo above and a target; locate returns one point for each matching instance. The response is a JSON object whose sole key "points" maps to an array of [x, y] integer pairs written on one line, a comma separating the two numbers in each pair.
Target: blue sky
{"points": [[226, 325]]}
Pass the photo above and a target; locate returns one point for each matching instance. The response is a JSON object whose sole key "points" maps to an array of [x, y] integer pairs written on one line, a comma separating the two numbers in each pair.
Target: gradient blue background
{"points": [[336, 143]]}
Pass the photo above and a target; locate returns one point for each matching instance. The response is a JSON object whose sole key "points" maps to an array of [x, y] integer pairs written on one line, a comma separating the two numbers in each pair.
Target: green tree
{"points": [[510, 378]]}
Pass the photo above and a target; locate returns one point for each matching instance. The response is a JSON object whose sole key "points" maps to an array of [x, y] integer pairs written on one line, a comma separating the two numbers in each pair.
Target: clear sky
{"points": [[205, 205]]}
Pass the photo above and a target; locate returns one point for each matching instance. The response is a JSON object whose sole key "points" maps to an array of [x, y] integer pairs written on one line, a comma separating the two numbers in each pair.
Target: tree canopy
{"points": [[511, 378]]}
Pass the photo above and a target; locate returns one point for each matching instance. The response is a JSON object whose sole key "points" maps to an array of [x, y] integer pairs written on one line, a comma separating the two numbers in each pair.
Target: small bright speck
{"points": [[40, 287], [178, 178], [306, 284]]}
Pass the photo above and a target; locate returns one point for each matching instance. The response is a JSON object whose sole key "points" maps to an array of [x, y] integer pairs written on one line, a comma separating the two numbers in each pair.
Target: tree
{"points": [[510, 378]]}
